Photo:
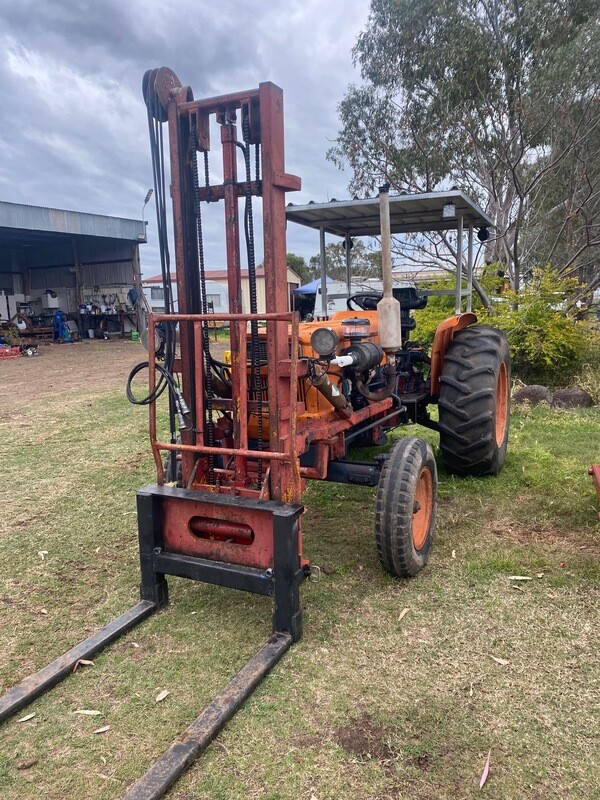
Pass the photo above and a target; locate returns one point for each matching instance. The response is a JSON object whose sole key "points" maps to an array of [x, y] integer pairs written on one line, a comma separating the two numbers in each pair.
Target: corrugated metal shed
{"points": [[80, 257], [21, 223]]}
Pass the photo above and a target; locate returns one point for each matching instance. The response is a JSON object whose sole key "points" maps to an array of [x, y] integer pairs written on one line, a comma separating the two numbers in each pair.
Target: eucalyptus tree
{"points": [[500, 98]]}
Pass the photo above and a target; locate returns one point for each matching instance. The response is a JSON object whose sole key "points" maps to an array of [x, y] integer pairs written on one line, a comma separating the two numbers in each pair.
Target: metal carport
{"points": [[409, 213]]}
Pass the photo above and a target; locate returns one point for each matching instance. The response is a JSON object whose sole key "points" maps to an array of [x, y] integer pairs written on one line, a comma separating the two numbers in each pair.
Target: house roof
{"points": [[211, 275]]}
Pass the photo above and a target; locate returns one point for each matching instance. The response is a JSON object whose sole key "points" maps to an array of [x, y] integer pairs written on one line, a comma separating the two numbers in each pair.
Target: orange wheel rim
{"points": [[501, 404], [422, 508]]}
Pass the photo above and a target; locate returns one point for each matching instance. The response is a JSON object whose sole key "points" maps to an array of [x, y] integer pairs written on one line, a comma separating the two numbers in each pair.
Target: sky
{"points": [[74, 129]]}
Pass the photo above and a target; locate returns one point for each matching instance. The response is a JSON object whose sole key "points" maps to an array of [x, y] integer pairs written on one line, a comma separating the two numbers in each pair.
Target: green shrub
{"points": [[546, 344], [440, 307]]}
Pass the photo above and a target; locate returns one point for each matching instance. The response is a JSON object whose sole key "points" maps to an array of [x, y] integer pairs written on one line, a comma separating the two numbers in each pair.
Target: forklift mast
{"points": [[248, 121]]}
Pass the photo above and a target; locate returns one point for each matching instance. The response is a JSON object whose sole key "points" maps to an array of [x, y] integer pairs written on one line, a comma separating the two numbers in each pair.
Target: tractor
{"points": [[245, 434], [297, 395]]}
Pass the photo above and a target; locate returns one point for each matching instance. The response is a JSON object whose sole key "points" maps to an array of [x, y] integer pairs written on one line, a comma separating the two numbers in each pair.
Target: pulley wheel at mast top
{"points": [[159, 83]]}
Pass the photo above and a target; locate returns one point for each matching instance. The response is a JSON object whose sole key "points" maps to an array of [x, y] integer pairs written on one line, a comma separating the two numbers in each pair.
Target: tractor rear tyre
{"points": [[405, 509], [474, 402]]}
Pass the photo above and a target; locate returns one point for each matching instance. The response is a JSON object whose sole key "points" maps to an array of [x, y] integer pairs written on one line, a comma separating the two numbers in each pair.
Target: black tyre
{"points": [[405, 510], [474, 402]]}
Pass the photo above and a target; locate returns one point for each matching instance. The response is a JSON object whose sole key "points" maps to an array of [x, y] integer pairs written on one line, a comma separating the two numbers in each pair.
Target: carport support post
{"points": [[26, 277], [348, 259], [459, 258], [323, 273], [470, 269]]}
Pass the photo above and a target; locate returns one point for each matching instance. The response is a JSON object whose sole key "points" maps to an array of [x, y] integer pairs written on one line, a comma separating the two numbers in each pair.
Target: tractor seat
{"points": [[409, 298]]}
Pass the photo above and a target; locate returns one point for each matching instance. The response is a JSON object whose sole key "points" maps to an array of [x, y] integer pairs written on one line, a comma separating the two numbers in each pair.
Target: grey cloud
{"points": [[73, 130]]}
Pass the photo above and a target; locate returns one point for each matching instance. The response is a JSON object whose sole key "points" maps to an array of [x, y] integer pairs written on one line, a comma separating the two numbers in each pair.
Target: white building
{"points": [[154, 293], [216, 290]]}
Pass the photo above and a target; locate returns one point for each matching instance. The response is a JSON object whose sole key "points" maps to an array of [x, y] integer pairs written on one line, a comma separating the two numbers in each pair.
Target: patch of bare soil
{"points": [[534, 533], [92, 366], [365, 738]]}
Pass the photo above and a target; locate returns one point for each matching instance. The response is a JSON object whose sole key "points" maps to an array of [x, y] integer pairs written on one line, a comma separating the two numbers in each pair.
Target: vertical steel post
{"points": [[459, 257], [153, 585], [323, 273], [348, 263], [186, 256], [199, 399], [287, 616], [284, 476], [137, 277], [470, 266], [77, 271]]}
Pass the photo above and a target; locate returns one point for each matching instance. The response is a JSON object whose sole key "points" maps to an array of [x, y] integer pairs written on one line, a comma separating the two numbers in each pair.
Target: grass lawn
{"points": [[374, 702]]}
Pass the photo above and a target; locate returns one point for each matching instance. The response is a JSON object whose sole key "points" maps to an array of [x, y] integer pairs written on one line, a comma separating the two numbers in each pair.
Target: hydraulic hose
{"points": [[166, 380], [382, 394]]}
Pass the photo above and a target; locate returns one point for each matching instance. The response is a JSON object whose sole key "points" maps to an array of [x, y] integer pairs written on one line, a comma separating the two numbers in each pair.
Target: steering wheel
{"points": [[366, 301]]}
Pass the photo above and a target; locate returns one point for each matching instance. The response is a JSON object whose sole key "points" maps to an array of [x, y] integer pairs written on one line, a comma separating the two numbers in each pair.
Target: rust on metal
{"points": [[230, 534]]}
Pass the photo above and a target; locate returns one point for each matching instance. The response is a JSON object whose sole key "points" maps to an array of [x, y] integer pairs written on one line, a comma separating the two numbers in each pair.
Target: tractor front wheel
{"points": [[405, 510], [474, 402]]}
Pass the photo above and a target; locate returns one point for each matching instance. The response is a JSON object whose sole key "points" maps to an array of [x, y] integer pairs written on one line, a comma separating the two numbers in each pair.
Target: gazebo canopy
{"points": [[312, 287]]}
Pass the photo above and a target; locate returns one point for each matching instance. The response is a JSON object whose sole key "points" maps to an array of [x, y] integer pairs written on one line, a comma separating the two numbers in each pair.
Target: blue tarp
{"points": [[312, 287]]}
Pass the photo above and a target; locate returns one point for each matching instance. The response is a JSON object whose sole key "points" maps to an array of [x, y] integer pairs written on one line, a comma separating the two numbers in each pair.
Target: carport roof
{"points": [[23, 226], [409, 213]]}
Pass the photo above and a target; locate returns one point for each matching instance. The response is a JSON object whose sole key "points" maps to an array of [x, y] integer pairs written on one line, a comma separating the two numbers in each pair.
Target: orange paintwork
{"points": [[423, 508], [443, 336], [317, 407], [502, 401]]}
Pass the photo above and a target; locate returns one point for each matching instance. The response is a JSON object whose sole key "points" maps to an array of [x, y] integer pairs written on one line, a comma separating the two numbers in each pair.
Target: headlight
{"points": [[324, 341]]}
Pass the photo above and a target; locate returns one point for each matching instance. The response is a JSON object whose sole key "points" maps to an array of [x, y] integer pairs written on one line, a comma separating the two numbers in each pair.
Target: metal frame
{"points": [[231, 526], [338, 218]]}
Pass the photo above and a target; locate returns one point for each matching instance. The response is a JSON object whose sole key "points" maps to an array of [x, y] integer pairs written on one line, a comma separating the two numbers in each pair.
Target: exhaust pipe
{"points": [[388, 308]]}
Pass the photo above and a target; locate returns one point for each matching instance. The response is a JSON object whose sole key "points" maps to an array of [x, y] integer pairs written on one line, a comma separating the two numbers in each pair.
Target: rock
{"points": [[572, 397], [533, 394]]}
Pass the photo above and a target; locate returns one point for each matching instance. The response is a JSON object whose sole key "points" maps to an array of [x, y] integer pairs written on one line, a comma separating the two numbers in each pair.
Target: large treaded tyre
{"points": [[405, 509], [474, 402]]}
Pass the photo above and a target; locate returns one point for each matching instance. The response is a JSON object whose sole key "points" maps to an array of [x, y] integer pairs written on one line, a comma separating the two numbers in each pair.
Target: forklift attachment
{"points": [[25, 692], [245, 434], [184, 751]]}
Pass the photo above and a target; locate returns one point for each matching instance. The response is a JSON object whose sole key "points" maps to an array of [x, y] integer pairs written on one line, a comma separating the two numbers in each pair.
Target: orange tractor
{"points": [[245, 436]]}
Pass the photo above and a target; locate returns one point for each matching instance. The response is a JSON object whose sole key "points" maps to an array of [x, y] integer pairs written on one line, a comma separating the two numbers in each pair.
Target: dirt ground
{"points": [[59, 368], [95, 365]]}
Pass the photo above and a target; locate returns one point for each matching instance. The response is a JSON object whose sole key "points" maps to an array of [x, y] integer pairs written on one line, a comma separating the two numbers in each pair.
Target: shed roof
{"points": [[23, 225], [409, 213]]}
